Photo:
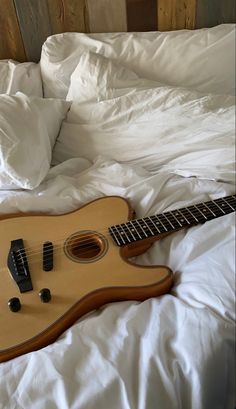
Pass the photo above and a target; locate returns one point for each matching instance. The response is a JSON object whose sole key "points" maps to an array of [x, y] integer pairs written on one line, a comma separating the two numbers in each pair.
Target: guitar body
{"points": [[89, 270]]}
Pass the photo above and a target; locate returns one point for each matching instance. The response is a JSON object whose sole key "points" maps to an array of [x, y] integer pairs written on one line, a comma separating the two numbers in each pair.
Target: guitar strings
{"points": [[131, 231], [126, 230], [60, 248], [88, 240]]}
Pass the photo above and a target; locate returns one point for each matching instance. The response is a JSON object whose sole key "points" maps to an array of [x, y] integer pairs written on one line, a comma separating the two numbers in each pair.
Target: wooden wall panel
{"points": [[141, 15], [214, 12], [107, 15], [35, 26], [25, 24], [176, 14], [67, 15], [11, 44]]}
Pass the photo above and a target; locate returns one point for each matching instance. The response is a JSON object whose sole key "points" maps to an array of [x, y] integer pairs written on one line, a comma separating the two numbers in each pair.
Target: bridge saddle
{"points": [[18, 266]]}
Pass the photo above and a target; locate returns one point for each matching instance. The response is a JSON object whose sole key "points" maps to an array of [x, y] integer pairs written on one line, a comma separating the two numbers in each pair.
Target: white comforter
{"points": [[175, 351]]}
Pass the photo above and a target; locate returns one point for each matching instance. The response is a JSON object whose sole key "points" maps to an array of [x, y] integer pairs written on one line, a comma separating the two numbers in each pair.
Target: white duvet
{"points": [[175, 351], [172, 352]]}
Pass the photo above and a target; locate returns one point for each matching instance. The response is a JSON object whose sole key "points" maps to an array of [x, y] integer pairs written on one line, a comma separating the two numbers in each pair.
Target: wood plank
{"points": [[176, 14], [213, 12], [34, 24], [107, 16], [142, 15], [11, 44], [68, 15], [228, 9]]}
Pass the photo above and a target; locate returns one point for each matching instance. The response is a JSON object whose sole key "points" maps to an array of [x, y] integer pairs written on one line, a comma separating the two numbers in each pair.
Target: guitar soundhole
{"points": [[85, 246]]}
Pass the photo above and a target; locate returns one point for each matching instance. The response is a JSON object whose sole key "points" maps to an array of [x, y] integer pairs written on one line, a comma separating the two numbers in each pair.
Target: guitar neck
{"points": [[167, 222]]}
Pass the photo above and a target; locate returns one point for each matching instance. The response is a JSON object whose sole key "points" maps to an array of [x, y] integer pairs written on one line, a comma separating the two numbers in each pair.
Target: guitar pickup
{"points": [[18, 266], [47, 256]]}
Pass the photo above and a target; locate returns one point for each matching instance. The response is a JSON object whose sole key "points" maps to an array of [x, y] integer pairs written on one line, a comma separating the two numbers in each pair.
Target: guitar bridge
{"points": [[18, 266]]}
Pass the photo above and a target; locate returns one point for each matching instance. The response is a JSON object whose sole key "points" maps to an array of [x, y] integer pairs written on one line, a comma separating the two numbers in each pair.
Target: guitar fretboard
{"points": [[153, 226]]}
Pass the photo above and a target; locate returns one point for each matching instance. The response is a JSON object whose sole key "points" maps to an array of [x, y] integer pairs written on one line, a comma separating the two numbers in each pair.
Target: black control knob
{"points": [[45, 295], [14, 304]]}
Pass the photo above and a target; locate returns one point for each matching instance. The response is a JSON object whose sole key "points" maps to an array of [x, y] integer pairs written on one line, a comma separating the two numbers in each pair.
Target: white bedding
{"points": [[175, 351], [201, 59], [172, 352], [20, 77]]}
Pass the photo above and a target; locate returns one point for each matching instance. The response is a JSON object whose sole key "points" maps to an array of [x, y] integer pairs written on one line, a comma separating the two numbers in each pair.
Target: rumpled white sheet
{"points": [[175, 351], [182, 131]]}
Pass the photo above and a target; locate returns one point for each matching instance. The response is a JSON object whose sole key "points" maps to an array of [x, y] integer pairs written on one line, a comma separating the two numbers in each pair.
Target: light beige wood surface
{"points": [[176, 14], [107, 16], [76, 287]]}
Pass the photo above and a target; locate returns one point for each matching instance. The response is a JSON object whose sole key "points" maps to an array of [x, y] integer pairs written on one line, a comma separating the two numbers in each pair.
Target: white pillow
{"points": [[97, 78], [201, 59], [28, 130], [23, 77], [161, 128]]}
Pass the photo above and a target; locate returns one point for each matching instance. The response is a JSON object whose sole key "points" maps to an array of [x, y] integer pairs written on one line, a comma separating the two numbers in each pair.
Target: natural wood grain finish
{"points": [[77, 288], [25, 24], [68, 15], [11, 44], [142, 15], [107, 16], [34, 23], [176, 14]]}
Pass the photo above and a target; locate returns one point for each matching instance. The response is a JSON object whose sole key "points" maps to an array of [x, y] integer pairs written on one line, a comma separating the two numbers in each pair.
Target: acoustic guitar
{"points": [[54, 269]]}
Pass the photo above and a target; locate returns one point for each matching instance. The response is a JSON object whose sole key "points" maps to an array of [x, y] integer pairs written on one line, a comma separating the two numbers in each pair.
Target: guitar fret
{"points": [[156, 228], [228, 204], [160, 225], [181, 212], [151, 226], [124, 232], [198, 215], [173, 227], [114, 231], [140, 225], [209, 209], [130, 231], [222, 211], [132, 222], [214, 208], [205, 211], [153, 234], [192, 215], [158, 218], [200, 212], [173, 215]]}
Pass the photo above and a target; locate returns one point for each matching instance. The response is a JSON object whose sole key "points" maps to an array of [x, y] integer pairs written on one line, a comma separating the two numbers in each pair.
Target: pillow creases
{"points": [[20, 77], [29, 127], [97, 78], [202, 59], [157, 127]]}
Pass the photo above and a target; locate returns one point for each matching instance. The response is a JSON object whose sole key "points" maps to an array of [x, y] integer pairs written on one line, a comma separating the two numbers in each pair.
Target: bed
{"points": [[148, 117]]}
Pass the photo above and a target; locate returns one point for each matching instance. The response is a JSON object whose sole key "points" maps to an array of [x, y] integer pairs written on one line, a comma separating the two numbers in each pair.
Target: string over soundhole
{"points": [[85, 246]]}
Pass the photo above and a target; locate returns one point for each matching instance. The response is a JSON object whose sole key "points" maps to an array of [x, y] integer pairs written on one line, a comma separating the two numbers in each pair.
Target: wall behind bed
{"points": [[25, 24]]}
